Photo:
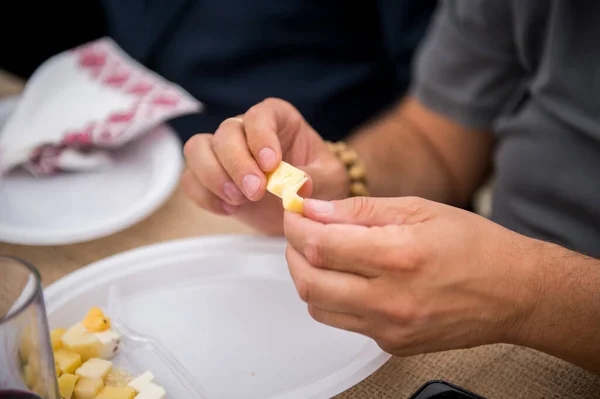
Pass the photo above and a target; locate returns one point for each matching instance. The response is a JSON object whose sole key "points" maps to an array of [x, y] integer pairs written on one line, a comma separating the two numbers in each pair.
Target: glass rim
{"points": [[38, 286]]}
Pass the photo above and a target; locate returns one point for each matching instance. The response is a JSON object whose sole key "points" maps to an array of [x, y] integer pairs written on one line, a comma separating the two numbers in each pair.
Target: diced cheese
{"points": [[79, 340], [96, 321], [76, 331], [95, 368], [29, 343], [88, 346], [284, 182], [30, 374], [116, 393], [56, 338], [110, 343], [66, 385], [141, 380], [292, 201], [88, 388], [58, 370], [151, 391], [67, 361]]}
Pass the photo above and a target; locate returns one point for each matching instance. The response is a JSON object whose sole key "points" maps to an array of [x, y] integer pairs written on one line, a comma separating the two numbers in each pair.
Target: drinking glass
{"points": [[26, 361]]}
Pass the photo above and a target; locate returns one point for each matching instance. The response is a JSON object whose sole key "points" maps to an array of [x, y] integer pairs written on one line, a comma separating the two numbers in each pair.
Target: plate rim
{"points": [[328, 386], [152, 200]]}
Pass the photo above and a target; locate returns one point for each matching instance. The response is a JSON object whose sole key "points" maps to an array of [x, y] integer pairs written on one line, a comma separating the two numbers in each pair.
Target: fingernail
{"points": [[319, 207], [251, 184], [266, 157], [229, 209], [232, 192]]}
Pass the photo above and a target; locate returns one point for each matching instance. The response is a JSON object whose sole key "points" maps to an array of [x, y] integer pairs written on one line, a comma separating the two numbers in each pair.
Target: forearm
{"points": [[412, 151], [565, 321]]}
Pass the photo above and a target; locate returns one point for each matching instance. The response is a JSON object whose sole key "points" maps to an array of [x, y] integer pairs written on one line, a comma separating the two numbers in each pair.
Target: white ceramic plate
{"points": [[216, 317], [76, 207]]}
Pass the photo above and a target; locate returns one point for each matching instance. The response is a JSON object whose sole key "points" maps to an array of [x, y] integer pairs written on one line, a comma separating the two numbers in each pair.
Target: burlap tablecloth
{"points": [[499, 371]]}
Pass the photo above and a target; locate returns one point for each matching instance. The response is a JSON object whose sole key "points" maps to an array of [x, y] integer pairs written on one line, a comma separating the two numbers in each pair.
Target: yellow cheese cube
{"points": [[95, 368], [30, 375], [67, 361], [55, 338], [88, 388], [292, 201], [88, 346], [117, 393], [284, 182], [79, 340], [76, 331], [29, 343], [96, 321], [66, 385], [40, 388]]}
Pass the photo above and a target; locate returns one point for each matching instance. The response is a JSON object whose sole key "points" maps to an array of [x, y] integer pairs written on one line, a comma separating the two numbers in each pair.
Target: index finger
{"points": [[271, 126], [345, 248]]}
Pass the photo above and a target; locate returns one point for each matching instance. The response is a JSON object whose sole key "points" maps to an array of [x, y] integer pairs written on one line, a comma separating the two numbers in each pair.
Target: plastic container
{"points": [[216, 318]]}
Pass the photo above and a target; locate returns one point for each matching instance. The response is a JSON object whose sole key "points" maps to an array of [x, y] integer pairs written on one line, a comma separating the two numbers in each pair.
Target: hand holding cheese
{"points": [[418, 276], [228, 170]]}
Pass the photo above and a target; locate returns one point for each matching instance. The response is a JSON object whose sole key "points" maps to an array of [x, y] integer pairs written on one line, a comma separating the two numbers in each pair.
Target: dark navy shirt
{"points": [[339, 62]]}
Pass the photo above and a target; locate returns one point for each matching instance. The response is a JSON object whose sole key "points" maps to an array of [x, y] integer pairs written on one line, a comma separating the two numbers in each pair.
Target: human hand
{"points": [[226, 170], [416, 276]]}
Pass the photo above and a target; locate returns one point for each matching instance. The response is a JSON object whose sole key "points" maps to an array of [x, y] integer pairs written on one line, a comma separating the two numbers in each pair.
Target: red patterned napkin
{"points": [[82, 103]]}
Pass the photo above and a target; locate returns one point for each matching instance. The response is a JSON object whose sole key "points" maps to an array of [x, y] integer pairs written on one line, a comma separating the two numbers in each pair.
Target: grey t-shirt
{"points": [[529, 71]]}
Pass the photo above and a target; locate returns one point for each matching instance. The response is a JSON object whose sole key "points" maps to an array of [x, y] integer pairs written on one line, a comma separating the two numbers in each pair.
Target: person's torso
{"points": [[548, 155], [326, 57]]}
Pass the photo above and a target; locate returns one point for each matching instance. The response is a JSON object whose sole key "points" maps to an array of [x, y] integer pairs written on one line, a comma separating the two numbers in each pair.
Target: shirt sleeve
{"points": [[467, 68], [403, 24]]}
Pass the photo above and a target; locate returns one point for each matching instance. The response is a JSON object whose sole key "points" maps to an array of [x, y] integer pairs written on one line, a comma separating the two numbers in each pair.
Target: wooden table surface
{"points": [[498, 371]]}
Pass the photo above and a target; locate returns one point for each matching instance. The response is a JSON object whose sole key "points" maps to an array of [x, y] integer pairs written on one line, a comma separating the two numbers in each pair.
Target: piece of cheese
{"points": [[138, 382], [96, 321], [110, 343], [151, 391], [29, 343], [94, 368], [284, 182], [66, 385], [116, 393], [56, 338], [57, 369], [292, 201], [79, 340], [76, 331], [30, 375], [88, 346], [88, 388], [66, 360]]}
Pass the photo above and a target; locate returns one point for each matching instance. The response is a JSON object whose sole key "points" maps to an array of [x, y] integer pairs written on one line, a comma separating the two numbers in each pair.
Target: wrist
{"points": [[529, 276], [564, 320]]}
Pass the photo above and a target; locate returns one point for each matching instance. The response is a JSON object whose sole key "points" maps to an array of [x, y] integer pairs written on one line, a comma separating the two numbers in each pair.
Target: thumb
{"points": [[369, 211]]}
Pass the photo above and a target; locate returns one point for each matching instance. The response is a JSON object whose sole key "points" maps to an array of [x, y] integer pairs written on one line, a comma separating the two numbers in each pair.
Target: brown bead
{"points": [[358, 189], [338, 147], [357, 172], [348, 157]]}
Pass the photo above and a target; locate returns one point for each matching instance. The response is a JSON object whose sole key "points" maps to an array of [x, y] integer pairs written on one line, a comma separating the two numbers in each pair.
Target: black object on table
{"points": [[443, 390]]}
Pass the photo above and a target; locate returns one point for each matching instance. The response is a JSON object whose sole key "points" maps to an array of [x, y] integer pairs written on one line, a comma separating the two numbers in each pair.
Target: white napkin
{"points": [[82, 103]]}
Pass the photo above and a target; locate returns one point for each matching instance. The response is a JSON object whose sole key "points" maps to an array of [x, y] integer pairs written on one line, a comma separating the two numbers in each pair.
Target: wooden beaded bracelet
{"points": [[356, 169]]}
